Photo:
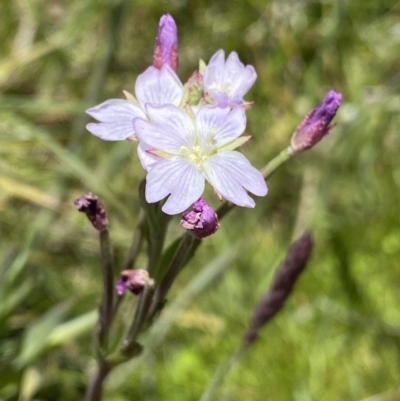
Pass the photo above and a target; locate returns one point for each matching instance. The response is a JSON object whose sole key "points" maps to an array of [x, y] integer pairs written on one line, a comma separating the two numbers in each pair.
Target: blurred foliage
{"points": [[339, 336]]}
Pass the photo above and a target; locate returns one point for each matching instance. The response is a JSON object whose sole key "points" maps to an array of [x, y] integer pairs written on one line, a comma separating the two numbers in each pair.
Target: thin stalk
{"points": [[137, 242], [156, 245], [140, 315], [276, 162], [174, 267], [156, 228], [117, 302], [95, 388], [108, 288], [221, 373]]}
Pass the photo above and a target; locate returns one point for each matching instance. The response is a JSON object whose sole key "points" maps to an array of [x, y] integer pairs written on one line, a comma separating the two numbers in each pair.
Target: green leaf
{"points": [[30, 384], [36, 338], [72, 329]]}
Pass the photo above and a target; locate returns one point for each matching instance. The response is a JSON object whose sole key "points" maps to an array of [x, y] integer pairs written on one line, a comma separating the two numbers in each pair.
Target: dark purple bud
{"points": [[315, 125], [94, 209], [281, 287], [166, 50], [132, 280], [202, 221]]}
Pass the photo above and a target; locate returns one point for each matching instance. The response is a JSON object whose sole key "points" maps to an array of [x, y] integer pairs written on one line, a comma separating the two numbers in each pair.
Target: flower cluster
{"points": [[187, 133]]}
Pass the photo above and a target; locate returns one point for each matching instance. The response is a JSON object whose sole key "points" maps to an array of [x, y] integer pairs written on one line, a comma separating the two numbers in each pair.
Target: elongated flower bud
{"points": [[285, 278], [132, 280], [94, 209], [315, 125], [166, 50], [202, 221]]}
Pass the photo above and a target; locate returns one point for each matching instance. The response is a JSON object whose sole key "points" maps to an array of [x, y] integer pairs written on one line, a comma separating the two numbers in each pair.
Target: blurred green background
{"points": [[338, 337]]}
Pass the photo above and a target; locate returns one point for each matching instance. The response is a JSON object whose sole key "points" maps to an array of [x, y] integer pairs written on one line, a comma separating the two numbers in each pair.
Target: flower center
{"points": [[199, 153], [224, 87], [195, 155]]}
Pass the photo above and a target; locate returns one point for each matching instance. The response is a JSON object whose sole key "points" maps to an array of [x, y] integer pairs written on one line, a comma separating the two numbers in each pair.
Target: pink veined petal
{"points": [[230, 172], [215, 71], [177, 177], [111, 132], [116, 117], [147, 159], [226, 124], [113, 109], [227, 82], [234, 69], [159, 137], [175, 120], [248, 78], [158, 87]]}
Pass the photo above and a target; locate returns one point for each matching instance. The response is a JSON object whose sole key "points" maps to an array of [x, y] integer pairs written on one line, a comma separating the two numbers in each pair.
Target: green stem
{"points": [[174, 267], [221, 373], [137, 242], [140, 316], [156, 244], [276, 162], [156, 228], [94, 390], [108, 288]]}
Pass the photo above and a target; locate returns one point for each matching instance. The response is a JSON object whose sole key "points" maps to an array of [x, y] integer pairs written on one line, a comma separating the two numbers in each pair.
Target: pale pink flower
{"points": [[194, 147], [227, 82], [115, 116]]}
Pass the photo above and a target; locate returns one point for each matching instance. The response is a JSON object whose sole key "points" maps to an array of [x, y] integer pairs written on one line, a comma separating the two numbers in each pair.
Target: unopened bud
{"points": [[315, 125], [166, 50], [132, 280], [94, 209], [194, 88], [281, 287], [202, 221]]}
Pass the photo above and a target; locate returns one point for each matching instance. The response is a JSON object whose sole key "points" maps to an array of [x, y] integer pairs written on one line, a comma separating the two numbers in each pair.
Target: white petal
{"points": [[116, 117], [220, 98], [147, 159], [230, 172], [215, 71], [173, 120], [177, 177], [160, 136], [234, 69], [158, 87], [243, 85], [226, 124]]}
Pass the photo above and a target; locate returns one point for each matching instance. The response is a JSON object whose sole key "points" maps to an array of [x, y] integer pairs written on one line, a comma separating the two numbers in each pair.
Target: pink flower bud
{"points": [[315, 125], [90, 205], [202, 221], [132, 280], [166, 50]]}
